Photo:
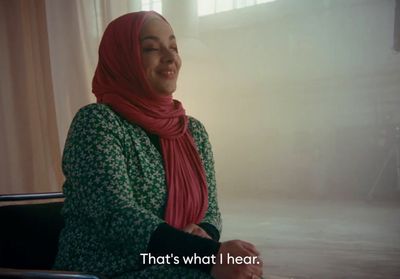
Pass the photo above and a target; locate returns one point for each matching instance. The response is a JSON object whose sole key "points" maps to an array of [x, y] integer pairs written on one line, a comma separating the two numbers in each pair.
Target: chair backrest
{"points": [[29, 235]]}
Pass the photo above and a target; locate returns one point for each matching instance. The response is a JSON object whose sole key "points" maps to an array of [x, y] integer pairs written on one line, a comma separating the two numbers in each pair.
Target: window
{"points": [[207, 7], [152, 5]]}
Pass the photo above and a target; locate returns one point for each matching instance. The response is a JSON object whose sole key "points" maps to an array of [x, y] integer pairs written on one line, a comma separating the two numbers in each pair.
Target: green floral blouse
{"points": [[115, 196]]}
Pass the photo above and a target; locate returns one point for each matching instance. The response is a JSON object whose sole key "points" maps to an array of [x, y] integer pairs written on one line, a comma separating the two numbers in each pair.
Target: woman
{"points": [[139, 172]]}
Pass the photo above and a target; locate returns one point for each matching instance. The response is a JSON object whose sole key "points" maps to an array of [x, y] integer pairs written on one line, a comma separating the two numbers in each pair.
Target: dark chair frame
{"points": [[27, 216]]}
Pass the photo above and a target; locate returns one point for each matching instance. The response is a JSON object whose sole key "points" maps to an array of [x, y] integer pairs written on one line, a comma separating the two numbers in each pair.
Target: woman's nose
{"points": [[168, 55]]}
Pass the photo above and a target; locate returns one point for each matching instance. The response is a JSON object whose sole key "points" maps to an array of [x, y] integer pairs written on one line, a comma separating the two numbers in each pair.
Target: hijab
{"points": [[120, 82]]}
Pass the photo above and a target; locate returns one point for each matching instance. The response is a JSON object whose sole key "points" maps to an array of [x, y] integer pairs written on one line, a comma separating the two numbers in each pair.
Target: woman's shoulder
{"points": [[96, 110], [97, 115], [101, 118], [96, 118], [196, 127], [194, 123]]}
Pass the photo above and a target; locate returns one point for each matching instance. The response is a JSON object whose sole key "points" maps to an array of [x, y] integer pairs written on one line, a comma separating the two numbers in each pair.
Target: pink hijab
{"points": [[120, 82]]}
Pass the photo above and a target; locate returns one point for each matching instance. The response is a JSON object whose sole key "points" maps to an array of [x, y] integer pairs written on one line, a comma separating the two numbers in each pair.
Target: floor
{"points": [[318, 239]]}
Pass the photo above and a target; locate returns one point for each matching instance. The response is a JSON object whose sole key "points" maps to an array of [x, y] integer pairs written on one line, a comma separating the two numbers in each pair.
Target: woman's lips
{"points": [[167, 74]]}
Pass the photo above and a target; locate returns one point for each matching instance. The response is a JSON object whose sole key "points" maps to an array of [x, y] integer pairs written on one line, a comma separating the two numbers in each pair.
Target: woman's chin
{"points": [[166, 91]]}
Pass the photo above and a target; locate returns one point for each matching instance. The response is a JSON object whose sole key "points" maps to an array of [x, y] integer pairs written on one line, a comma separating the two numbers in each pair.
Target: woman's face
{"points": [[161, 61]]}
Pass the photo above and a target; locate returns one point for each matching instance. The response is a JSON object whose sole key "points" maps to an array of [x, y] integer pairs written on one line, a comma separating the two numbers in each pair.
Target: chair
{"points": [[29, 237]]}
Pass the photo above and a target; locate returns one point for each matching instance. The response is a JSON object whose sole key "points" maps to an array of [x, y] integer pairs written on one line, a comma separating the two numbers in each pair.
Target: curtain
{"points": [[29, 146], [75, 28], [48, 53]]}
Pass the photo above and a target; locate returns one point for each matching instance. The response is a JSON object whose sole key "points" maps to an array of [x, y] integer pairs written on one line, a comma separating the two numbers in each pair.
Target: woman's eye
{"points": [[149, 49]]}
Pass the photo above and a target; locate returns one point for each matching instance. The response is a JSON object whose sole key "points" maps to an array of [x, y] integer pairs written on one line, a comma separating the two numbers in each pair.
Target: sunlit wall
{"points": [[300, 98]]}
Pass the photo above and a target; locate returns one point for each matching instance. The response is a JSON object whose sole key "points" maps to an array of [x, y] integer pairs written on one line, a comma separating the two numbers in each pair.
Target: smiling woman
{"points": [[161, 61], [140, 176]]}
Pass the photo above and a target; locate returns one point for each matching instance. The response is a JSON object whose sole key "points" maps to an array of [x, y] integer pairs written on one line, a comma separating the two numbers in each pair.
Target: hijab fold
{"points": [[120, 82]]}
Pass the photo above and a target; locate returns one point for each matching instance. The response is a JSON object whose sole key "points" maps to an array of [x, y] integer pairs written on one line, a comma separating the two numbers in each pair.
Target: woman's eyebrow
{"points": [[155, 38]]}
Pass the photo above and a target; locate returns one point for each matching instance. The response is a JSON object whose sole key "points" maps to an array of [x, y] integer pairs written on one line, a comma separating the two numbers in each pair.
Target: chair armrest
{"points": [[32, 196], [46, 274]]}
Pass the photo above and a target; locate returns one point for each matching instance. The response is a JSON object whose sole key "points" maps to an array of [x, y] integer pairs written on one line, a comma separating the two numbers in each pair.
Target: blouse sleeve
{"points": [[98, 189], [213, 215]]}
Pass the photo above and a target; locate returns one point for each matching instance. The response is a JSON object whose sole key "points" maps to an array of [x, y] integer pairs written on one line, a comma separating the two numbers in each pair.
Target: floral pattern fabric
{"points": [[115, 196]]}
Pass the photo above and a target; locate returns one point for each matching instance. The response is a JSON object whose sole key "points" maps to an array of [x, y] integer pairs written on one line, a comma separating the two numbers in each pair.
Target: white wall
{"points": [[297, 95]]}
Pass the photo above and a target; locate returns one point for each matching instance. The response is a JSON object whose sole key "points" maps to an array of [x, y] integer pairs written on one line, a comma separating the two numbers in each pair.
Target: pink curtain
{"points": [[48, 52], [29, 146]]}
